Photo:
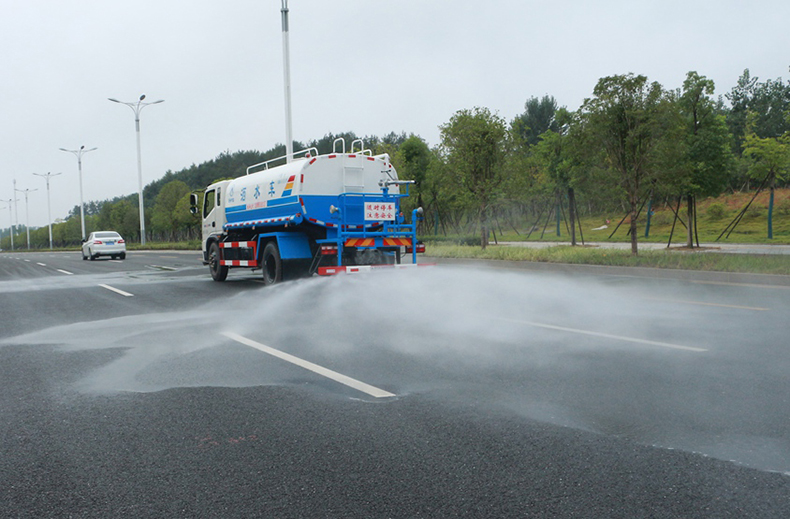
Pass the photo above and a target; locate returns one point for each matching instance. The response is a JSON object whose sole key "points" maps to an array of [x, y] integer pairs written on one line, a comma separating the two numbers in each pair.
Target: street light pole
{"points": [[11, 220], [137, 108], [49, 212], [27, 214], [79, 153], [289, 146], [16, 207]]}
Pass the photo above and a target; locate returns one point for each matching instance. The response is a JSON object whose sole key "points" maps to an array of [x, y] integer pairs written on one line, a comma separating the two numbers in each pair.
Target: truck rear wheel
{"points": [[218, 272], [272, 264]]}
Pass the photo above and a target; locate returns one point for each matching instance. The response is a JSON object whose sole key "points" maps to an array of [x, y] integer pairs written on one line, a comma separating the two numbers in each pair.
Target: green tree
{"points": [[475, 144], [557, 164], [538, 118], [626, 118], [164, 219], [412, 159], [706, 159], [770, 161], [769, 100]]}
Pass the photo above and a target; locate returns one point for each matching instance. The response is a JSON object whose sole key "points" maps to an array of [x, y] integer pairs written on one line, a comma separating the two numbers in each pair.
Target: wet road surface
{"points": [[140, 388]]}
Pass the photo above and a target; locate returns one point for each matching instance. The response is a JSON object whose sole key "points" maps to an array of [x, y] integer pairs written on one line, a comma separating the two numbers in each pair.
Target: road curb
{"points": [[699, 276]]}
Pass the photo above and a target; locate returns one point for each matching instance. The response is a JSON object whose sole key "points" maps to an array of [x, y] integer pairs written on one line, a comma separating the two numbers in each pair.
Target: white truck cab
{"points": [[213, 213]]}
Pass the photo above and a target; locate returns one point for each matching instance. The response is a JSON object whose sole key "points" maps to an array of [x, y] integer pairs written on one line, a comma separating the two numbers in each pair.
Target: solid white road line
{"points": [[117, 291], [65, 272], [315, 368], [750, 285], [609, 336], [42, 264], [702, 303]]}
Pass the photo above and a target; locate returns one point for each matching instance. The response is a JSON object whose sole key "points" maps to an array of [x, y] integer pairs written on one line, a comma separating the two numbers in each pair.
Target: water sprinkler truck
{"points": [[313, 214]]}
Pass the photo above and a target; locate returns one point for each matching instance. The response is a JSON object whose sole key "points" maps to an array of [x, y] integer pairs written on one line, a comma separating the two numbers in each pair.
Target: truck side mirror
{"points": [[193, 200]]}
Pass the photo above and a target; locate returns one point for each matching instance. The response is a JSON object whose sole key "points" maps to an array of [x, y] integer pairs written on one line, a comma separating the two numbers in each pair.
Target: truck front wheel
{"points": [[218, 272], [272, 264]]}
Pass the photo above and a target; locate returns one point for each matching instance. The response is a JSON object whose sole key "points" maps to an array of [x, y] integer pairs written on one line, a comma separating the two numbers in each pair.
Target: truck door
{"points": [[209, 214]]}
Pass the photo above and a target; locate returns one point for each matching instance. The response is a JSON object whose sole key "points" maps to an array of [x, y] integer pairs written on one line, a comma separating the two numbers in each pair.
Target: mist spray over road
{"points": [[609, 357]]}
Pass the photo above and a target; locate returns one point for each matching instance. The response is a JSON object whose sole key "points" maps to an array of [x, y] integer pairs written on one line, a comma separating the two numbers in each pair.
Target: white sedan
{"points": [[104, 243]]}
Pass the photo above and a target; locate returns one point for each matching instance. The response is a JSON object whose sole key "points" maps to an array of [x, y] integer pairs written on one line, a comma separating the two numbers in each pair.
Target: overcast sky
{"points": [[367, 66]]}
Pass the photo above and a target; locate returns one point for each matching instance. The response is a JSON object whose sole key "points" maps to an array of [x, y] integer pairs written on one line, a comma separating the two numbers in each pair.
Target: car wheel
{"points": [[218, 272], [272, 264], [84, 257], [92, 255], [123, 255]]}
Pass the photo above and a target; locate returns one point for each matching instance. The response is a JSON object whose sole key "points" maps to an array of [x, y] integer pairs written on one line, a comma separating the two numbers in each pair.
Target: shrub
{"points": [[469, 240], [783, 207], [755, 211], [716, 211], [662, 218]]}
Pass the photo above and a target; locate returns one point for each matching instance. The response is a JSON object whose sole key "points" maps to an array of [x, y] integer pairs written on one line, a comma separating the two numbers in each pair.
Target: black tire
{"points": [[91, 255], [84, 257], [271, 264], [122, 255], [218, 272]]}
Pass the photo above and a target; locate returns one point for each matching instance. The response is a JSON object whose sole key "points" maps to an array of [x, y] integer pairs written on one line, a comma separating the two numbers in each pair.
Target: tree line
{"points": [[633, 140]]}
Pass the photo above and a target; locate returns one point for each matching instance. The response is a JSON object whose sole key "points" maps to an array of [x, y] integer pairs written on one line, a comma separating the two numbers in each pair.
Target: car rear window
{"points": [[107, 235]]}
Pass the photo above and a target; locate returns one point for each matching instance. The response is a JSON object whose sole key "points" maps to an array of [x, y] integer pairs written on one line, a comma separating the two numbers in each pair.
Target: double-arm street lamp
{"points": [[137, 108], [79, 153], [47, 176]]}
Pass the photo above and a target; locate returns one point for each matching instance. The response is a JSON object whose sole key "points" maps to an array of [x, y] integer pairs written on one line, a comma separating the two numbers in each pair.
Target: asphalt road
{"points": [[140, 388]]}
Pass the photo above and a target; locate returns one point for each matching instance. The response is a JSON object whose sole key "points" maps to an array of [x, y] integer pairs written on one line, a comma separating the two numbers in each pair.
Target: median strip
{"points": [[315, 368]]}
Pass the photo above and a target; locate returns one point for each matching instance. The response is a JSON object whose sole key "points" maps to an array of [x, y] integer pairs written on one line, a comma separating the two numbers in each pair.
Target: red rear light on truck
{"points": [[327, 250], [420, 248]]}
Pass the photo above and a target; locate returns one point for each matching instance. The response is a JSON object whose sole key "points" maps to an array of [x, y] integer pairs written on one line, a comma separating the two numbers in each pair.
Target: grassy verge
{"points": [[595, 256]]}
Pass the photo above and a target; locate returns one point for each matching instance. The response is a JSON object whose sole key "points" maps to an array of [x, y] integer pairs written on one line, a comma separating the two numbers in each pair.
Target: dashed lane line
{"points": [[116, 290], [315, 368], [65, 272], [609, 336]]}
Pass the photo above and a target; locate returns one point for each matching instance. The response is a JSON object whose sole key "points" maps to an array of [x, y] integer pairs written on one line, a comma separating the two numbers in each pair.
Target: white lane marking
{"points": [[42, 264], [732, 284], [27, 261], [702, 303], [65, 272], [117, 291], [609, 336], [315, 368], [160, 267]]}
